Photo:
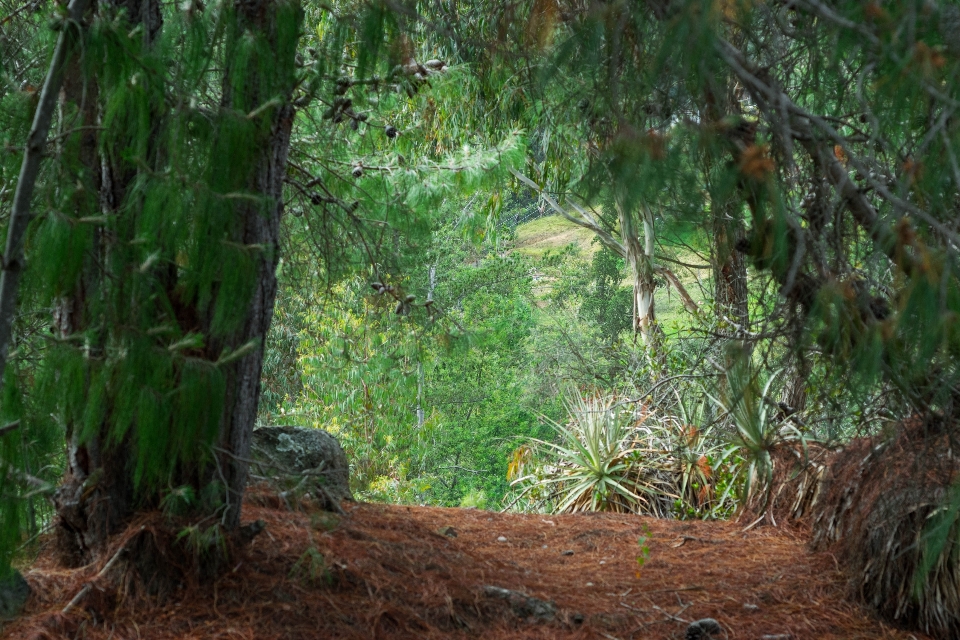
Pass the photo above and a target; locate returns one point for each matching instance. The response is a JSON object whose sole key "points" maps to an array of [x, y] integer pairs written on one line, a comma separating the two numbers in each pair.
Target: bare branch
{"points": [[583, 219], [688, 301], [20, 215]]}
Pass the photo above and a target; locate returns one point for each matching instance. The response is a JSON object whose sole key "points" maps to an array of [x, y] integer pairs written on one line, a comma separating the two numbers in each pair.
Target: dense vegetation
{"points": [[537, 255]]}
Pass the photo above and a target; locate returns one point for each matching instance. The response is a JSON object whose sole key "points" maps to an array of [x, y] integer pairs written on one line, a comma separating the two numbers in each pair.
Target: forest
{"points": [[683, 262]]}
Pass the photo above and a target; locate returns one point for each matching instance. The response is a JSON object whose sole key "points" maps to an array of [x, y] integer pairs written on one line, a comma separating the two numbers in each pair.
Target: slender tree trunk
{"points": [[20, 215], [726, 223], [794, 396], [639, 259], [420, 381], [729, 268]]}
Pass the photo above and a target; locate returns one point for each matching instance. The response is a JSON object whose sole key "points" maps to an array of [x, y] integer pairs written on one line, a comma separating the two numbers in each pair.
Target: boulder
{"points": [[705, 629], [14, 592], [311, 457], [527, 607]]}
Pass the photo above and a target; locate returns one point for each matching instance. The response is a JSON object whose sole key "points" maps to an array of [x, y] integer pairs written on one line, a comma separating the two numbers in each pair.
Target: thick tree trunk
{"points": [[243, 377], [259, 226], [97, 495]]}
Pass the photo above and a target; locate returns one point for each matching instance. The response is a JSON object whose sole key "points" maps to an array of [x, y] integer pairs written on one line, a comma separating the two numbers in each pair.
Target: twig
{"points": [[688, 301], [754, 523], [87, 587], [693, 588], [673, 617], [7, 428], [41, 485]]}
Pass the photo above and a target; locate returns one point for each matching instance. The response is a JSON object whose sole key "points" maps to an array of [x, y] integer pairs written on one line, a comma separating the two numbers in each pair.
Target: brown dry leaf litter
{"points": [[419, 572]]}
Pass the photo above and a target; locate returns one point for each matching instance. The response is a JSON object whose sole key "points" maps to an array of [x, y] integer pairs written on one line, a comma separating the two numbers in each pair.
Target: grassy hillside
{"points": [[553, 233]]}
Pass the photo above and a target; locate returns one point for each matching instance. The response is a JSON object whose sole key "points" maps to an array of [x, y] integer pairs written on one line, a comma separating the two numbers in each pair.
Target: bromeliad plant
{"points": [[702, 473], [760, 430], [607, 459]]}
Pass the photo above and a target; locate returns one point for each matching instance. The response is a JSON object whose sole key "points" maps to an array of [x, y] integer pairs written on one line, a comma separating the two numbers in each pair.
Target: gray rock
{"points": [[528, 607], [301, 452], [14, 592], [704, 629]]}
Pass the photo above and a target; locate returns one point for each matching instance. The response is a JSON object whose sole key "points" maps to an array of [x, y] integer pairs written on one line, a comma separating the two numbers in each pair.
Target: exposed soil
{"points": [[402, 572]]}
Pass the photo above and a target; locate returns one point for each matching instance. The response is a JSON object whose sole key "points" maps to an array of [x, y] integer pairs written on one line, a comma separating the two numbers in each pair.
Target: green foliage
{"points": [[311, 567], [365, 370], [178, 501], [607, 302], [643, 542], [476, 499], [759, 429], [207, 545], [828, 130], [617, 454], [603, 463]]}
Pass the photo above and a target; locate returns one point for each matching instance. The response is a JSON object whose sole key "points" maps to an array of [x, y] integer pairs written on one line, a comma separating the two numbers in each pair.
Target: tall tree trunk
{"points": [[726, 222], [104, 484], [97, 495], [259, 229], [20, 214], [793, 398], [729, 268]]}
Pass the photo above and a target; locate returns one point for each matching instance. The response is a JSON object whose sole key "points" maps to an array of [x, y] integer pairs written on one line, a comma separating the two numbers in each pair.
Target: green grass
{"points": [[552, 233]]}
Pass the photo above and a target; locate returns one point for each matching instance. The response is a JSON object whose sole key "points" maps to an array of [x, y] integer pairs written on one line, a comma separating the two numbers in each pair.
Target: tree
{"points": [[623, 238], [802, 121], [155, 243]]}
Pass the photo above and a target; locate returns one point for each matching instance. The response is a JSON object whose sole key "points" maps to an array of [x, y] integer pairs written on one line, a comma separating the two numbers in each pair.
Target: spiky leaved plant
{"points": [[603, 462], [758, 429]]}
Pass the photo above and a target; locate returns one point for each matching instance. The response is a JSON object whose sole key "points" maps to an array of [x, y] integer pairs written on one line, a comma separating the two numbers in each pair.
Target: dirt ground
{"points": [[384, 571]]}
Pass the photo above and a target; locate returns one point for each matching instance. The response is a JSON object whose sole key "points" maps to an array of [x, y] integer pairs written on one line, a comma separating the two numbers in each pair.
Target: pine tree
{"points": [[155, 243]]}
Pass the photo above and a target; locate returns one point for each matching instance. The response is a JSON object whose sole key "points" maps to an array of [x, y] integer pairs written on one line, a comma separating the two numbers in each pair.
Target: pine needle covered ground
{"points": [[385, 571]]}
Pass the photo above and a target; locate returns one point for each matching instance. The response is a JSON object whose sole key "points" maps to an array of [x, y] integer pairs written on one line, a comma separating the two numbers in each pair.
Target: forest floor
{"points": [[386, 571]]}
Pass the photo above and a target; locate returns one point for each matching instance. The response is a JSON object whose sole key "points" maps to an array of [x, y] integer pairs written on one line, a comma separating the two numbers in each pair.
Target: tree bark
{"points": [[729, 269], [97, 495], [726, 222], [640, 265], [259, 226]]}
